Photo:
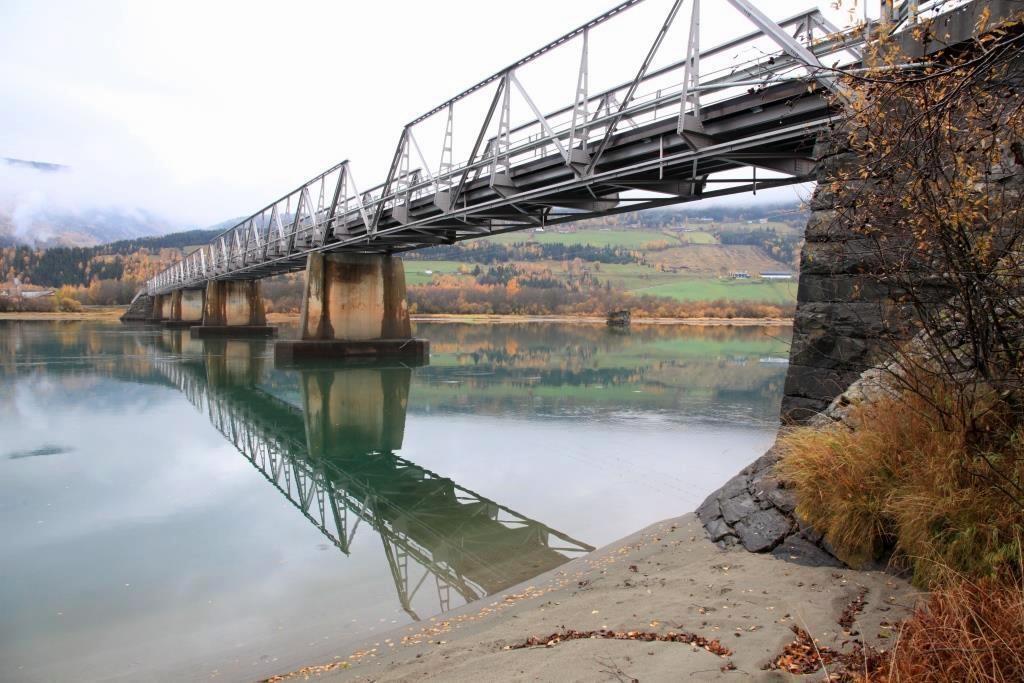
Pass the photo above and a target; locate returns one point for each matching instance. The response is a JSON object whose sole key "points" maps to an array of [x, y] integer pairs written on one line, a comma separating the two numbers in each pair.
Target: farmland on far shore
{"points": [[707, 263]]}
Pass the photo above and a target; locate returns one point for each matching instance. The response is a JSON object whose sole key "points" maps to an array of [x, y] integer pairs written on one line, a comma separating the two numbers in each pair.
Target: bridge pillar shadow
{"points": [[233, 362], [179, 343], [354, 305], [233, 308], [356, 410]]}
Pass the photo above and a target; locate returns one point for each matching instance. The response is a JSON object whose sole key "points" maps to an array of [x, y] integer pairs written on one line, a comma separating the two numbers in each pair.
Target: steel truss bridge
{"points": [[663, 137], [435, 533]]}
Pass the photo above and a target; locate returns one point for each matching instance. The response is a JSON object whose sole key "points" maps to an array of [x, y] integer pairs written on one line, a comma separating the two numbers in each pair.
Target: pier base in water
{"points": [[161, 304], [209, 331], [233, 308], [354, 306], [288, 351]]}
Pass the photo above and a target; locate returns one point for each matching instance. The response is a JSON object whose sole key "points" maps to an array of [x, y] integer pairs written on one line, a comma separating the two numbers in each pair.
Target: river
{"points": [[179, 508]]}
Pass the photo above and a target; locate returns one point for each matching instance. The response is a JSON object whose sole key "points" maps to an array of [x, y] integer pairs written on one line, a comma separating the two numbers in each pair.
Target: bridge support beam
{"points": [[161, 307], [846, 318], [233, 308], [354, 305], [186, 308]]}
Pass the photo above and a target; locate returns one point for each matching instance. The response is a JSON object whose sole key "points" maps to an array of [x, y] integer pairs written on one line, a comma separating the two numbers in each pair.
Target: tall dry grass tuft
{"points": [[912, 485], [970, 631], [930, 479]]}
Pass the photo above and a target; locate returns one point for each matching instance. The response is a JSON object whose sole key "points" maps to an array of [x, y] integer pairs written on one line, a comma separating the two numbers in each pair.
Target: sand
{"points": [[87, 313], [666, 578]]}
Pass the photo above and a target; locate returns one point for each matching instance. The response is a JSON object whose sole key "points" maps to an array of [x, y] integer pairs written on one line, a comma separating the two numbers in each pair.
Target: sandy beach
{"points": [[89, 313], [738, 609]]}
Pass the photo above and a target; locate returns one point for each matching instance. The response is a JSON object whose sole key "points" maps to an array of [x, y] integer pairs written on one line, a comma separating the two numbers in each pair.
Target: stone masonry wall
{"points": [[841, 309], [843, 315]]}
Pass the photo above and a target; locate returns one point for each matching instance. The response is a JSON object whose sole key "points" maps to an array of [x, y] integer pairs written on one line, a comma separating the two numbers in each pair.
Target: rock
{"points": [[769, 490], [709, 509], [783, 499], [763, 464], [801, 551], [808, 532], [740, 507], [734, 487], [762, 530], [718, 529], [729, 541]]}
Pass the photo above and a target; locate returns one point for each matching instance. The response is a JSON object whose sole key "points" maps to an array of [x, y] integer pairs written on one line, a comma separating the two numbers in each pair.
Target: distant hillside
{"points": [[129, 259], [34, 165], [692, 262], [29, 213], [174, 240]]}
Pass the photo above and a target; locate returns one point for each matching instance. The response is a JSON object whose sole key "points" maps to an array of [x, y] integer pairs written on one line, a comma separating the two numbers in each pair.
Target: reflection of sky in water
{"points": [[139, 541]]}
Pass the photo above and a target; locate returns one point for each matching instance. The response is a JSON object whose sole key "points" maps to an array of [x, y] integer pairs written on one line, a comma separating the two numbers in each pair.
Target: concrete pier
{"points": [[161, 308], [354, 305], [233, 308], [186, 308]]}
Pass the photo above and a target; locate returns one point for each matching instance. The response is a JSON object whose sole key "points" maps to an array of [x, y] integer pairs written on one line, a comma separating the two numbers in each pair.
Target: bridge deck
{"points": [[673, 133], [666, 136]]}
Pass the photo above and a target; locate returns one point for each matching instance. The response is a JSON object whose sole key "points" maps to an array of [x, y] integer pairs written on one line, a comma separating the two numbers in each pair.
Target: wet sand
{"points": [[667, 578]]}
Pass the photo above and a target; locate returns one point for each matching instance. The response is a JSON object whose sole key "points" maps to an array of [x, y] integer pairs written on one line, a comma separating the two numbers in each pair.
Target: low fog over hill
{"points": [[39, 207]]}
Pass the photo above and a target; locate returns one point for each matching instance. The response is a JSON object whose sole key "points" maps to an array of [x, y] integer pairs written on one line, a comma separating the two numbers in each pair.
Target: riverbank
{"points": [[683, 609], [115, 312], [482, 319], [87, 313]]}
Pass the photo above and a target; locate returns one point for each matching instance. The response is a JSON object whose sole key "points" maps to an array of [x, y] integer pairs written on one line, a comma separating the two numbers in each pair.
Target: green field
{"points": [[633, 276], [699, 237], [692, 281], [415, 271], [639, 279], [631, 239], [731, 290]]}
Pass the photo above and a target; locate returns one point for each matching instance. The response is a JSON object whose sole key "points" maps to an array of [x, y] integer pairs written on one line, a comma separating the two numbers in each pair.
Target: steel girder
{"points": [[572, 163]]}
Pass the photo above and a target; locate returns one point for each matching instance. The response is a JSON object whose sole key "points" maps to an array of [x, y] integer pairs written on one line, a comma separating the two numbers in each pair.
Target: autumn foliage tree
{"points": [[934, 196]]}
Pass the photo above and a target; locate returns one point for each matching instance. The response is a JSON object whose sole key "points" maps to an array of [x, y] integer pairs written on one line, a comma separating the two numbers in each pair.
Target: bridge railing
{"points": [[332, 210]]}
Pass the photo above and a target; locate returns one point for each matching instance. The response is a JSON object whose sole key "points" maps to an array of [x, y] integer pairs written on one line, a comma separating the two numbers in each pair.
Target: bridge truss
{"points": [[664, 137]]}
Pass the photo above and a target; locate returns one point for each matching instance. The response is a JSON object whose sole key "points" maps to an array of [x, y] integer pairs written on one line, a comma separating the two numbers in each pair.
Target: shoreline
{"points": [[681, 608], [480, 318], [87, 313], [115, 312]]}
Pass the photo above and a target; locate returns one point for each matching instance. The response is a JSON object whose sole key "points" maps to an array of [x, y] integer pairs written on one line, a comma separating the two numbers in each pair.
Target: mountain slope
{"points": [[36, 209]]}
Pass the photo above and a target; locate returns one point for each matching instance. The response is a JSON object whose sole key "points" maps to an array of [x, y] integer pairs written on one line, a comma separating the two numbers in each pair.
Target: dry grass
{"points": [[911, 485], [906, 487], [968, 631]]}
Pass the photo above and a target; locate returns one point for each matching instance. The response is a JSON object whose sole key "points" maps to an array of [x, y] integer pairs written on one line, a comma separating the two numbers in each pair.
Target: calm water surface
{"points": [[172, 507]]}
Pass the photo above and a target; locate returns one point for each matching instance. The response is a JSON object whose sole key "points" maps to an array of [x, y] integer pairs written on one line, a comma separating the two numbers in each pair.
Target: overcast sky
{"points": [[206, 110]]}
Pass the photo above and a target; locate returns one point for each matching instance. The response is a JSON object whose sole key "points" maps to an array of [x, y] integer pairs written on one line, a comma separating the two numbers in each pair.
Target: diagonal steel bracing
{"points": [[663, 135]]}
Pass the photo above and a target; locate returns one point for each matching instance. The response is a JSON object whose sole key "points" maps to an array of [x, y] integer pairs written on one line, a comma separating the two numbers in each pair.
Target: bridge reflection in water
{"points": [[334, 459]]}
